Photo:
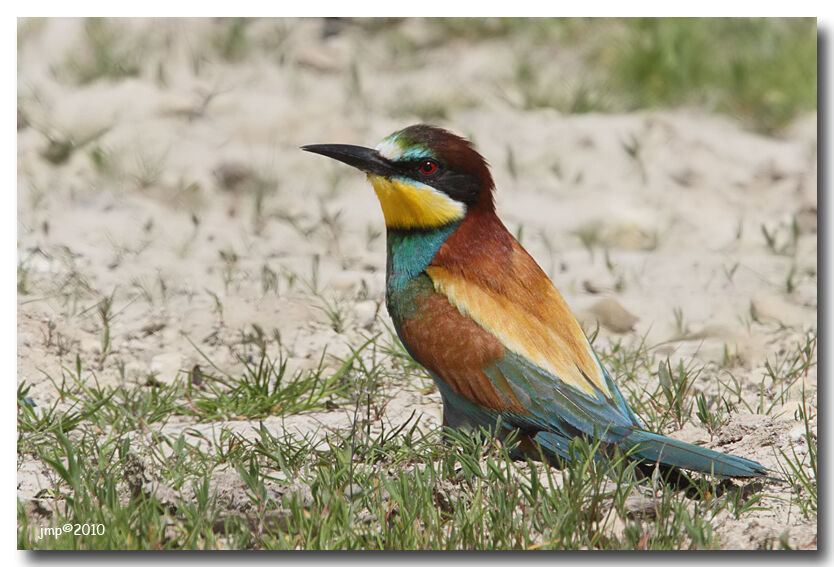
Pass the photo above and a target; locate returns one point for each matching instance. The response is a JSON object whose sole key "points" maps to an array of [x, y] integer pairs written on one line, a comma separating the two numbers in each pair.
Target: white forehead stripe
{"points": [[389, 149]]}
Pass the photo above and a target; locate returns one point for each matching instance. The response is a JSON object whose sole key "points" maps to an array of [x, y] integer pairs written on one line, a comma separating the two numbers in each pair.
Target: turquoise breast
{"points": [[409, 254]]}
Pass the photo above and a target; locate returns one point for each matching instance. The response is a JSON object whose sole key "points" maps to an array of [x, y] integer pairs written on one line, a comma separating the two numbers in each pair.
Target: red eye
{"points": [[428, 167]]}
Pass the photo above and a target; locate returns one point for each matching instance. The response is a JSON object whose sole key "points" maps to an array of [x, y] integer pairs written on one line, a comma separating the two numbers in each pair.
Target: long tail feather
{"points": [[664, 450]]}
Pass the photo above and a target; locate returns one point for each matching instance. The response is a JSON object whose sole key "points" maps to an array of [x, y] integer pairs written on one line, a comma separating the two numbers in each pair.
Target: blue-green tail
{"points": [[655, 448]]}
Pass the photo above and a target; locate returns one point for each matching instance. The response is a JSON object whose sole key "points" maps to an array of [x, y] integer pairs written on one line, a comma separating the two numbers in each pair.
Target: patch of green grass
{"points": [[399, 489], [107, 52], [230, 38], [23, 281], [481, 29], [60, 146], [668, 400], [147, 169], [629, 364], [782, 240], [801, 470], [784, 372], [762, 70], [265, 388], [335, 311], [88, 471], [33, 424], [710, 413], [270, 280], [406, 490], [104, 309], [676, 386], [373, 485], [230, 268], [91, 403]]}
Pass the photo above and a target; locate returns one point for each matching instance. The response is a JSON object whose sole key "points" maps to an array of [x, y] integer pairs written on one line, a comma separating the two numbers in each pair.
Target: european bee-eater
{"points": [[474, 308]]}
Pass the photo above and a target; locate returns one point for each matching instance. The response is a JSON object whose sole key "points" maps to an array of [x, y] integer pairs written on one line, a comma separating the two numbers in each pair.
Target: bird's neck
{"points": [[410, 252], [481, 245]]}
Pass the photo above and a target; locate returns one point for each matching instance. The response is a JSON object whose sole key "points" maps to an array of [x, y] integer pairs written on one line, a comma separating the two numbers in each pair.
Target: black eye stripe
{"points": [[417, 164], [459, 186]]}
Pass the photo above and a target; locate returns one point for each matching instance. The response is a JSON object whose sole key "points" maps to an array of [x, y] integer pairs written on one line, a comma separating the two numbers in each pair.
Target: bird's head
{"points": [[425, 177]]}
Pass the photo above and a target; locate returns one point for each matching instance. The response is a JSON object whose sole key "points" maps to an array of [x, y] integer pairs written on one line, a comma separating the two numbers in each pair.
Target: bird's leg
{"points": [[446, 440]]}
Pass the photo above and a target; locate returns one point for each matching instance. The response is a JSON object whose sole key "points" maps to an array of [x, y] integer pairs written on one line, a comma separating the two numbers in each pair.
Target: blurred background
{"points": [[760, 71]]}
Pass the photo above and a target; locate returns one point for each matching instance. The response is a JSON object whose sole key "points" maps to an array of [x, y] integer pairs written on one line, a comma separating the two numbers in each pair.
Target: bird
{"points": [[473, 307]]}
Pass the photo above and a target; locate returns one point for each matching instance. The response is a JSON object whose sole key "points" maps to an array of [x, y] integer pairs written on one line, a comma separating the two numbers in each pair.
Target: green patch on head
{"points": [[401, 146]]}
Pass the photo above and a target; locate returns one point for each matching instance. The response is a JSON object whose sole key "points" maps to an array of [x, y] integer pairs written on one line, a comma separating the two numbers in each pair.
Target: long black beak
{"points": [[366, 159]]}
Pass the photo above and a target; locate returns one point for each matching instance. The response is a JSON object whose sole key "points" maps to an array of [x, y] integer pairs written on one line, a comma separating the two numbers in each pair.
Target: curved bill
{"points": [[366, 159]]}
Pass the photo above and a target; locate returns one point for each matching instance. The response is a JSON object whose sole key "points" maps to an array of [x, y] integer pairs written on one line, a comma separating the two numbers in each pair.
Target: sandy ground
{"points": [[187, 200]]}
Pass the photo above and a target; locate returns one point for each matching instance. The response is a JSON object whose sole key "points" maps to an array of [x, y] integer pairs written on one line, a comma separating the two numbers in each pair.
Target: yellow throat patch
{"points": [[408, 204]]}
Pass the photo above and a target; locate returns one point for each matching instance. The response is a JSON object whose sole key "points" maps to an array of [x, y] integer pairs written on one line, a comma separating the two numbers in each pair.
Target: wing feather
{"points": [[538, 326], [548, 362]]}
